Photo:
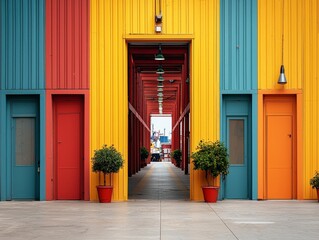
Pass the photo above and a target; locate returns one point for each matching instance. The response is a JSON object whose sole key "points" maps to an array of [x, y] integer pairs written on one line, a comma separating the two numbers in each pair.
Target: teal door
{"points": [[24, 157], [237, 136]]}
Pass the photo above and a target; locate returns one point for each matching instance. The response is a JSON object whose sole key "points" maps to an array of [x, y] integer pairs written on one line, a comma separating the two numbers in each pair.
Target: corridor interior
{"points": [[159, 181]]}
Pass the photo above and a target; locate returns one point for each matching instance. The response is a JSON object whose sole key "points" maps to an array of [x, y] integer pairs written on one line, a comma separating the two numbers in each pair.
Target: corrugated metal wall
{"points": [[110, 21], [310, 78], [178, 16], [109, 94], [204, 106], [22, 45], [67, 46], [238, 45], [277, 18]]}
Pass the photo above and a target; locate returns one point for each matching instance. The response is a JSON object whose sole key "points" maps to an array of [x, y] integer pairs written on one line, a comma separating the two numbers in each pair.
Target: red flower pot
{"points": [[105, 193], [210, 194]]}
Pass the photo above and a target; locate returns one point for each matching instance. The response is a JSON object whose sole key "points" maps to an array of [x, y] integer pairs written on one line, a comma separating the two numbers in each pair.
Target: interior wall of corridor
{"points": [[290, 27], [114, 24]]}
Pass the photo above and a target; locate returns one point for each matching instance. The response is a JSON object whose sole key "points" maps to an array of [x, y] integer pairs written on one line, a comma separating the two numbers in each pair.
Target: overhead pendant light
{"points": [[160, 78], [160, 89], [160, 70], [282, 78], [160, 85], [160, 94], [159, 56]]}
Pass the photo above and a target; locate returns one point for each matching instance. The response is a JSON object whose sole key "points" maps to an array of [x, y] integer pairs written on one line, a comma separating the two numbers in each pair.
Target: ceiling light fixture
{"points": [[160, 78], [160, 70], [159, 56]]}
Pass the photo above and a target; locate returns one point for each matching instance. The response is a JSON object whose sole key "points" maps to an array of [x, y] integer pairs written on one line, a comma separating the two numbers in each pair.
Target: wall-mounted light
{"points": [[159, 56], [158, 18], [282, 78]]}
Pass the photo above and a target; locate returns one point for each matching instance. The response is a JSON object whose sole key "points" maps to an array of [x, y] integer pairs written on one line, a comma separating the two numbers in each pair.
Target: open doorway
{"points": [[161, 136], [158, 91]]}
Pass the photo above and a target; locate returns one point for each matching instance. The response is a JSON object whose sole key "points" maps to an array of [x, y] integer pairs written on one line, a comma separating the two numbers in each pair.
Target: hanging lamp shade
{"points": [[159, 56], [159, 89], [282, 78], [160, 70], [160, 85], [160, 78], [160, 94]]}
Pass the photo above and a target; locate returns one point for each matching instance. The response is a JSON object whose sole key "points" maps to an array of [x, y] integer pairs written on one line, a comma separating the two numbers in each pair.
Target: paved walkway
{"points": [[159, 217], [159, 181]]}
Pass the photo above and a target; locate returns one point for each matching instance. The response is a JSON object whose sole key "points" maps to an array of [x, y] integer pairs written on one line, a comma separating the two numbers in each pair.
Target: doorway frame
{"points": [[49, 140], [56, 101], [150, 39], [248, 98], [262, 184], [6, 97]]}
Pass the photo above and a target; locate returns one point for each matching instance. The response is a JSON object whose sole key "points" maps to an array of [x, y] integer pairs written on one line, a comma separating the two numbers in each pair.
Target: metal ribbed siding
{"points": [[178, 16], [310, 32], [112, 20], [67, 46], [238, 45], [204, 105], [270, 28], [22, 45], [108, 76]]}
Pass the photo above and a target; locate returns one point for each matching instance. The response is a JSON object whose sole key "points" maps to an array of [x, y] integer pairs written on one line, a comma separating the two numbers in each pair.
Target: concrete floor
{"points": [[156, 216]]}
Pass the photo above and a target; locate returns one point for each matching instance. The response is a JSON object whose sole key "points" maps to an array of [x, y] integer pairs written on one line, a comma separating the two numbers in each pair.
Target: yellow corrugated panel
{"points": [[277, 18], [205, 82], [113, 24], [178, 16], [311, 89], [108, 80]]}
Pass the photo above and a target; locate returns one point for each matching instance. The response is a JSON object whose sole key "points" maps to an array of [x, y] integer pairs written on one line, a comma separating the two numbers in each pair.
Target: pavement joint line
{"points": [[178, 181], [210, 206]]}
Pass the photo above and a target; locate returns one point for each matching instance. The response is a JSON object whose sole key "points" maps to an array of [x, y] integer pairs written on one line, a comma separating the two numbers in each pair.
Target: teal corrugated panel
{"points": [[238, 66], [22, 44]]}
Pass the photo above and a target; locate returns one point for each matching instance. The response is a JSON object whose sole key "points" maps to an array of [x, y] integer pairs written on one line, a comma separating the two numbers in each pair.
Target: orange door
{"points": [[280, 162]]}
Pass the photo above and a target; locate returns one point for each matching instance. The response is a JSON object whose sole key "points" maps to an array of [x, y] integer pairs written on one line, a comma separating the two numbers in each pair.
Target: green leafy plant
{"points": [[314, 182], [212, 157], [177, 155], [107, 160], [144, 153]]}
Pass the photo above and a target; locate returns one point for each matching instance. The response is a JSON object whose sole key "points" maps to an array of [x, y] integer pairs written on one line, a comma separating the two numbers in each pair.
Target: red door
{"points": [[68, 150]]}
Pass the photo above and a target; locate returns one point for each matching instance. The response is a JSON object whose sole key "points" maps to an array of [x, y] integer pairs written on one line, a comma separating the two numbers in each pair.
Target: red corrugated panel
{"points": [[67, 44]]}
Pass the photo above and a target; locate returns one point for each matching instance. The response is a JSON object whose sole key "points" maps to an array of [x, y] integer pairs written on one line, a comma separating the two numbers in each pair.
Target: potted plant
{"points": [[106, 160], [144, 155], [177, 155], [212, 157], [314, 182]]}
